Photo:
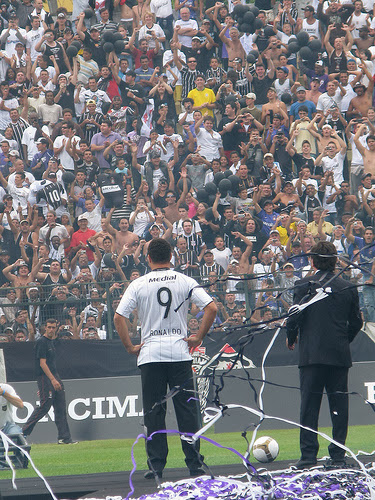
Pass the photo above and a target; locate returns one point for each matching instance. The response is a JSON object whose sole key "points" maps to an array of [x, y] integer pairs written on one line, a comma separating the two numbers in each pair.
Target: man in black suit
{"points": [[324, 330]]}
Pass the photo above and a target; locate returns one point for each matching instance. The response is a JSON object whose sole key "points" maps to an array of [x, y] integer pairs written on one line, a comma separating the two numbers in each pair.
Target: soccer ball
{"points": [[265, 449]]}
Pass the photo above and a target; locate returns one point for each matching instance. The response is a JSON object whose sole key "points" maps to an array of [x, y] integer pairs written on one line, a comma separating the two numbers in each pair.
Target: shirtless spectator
{"points": [[233, 45], [368, 154], [359, 105], [22, 278], [122, 236], [273, 107]]}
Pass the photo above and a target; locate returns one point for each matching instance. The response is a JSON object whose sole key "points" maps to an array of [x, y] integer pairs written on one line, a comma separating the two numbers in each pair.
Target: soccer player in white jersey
{"points": [[161, 298]]}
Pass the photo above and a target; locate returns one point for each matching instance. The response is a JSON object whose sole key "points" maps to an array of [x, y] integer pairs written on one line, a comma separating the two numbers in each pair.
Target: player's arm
{"points": [[56, 384], [123, 331], [209, 316], [14, 400]]}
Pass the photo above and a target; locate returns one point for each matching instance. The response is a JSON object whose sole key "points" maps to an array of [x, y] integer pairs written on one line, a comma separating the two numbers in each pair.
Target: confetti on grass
{"points": [[315, 484]]}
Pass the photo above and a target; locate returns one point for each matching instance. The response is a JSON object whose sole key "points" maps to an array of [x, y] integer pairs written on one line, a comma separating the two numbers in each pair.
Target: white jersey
{"points": [[33, 37], [222, 257], [20, 197], [6, 408], [335, 165], [311, 29], [358, 22], [162, 300], [350, 94], [357, 158], [282, 88]]}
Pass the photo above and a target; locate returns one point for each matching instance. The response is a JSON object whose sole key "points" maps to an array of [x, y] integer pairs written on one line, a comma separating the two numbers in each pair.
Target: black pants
{"points": [[313, 380], [49, 397], [155, 378]]}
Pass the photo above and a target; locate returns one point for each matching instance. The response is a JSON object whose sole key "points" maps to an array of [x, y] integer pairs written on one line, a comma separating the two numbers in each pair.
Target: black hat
{"points": [[267, 202]]}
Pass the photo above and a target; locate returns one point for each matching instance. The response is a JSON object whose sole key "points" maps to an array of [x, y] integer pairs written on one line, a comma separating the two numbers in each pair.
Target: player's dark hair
{"points": [[50, 320], [320, 261], [159, 251]]}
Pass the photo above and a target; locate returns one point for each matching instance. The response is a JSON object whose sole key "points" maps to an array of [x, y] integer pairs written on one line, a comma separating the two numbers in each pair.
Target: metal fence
{"points": [[91, 305]]}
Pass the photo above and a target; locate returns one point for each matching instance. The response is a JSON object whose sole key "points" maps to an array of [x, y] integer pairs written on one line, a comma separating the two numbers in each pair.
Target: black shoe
{"points": [[150, 474], [305, 463], [67, 441], [336, 463], [197, 472]]}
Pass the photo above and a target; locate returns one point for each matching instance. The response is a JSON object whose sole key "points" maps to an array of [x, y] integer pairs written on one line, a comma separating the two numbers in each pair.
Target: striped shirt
{"points": [[285, 18], [87, 69], [188, 80], [105, 26], [242, 83], [218, 74], [181, 259], [205, 271], [193, 241], [18, 129], [90, 129], [125, 210]]}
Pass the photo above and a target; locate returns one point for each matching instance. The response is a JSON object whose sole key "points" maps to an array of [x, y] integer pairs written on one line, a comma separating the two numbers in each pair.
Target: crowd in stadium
{"points": [[242, 135]]}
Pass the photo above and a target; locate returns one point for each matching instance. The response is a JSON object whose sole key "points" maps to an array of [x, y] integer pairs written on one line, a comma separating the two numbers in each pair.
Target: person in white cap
{"points": [[286, 280]]}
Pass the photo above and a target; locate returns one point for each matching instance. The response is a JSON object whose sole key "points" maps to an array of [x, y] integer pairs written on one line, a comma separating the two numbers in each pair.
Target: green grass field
{"points": [[114, 455]]}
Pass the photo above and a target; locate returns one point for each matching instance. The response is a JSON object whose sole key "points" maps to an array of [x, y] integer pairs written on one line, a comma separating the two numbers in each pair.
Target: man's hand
{"points": [[56, 385], [292, 346], [193, 341], [135, 349]]}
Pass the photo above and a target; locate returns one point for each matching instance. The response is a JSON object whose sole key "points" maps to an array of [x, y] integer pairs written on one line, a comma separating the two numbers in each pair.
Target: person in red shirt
{"points": [[80, 237], [143, 50]]}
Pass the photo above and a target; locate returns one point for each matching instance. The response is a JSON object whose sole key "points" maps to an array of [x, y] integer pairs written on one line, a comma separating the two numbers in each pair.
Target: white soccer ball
{"points": [[265, 449]]}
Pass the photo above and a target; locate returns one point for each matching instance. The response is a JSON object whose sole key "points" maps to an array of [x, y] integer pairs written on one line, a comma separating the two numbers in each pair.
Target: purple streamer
{"points": [[134, 465], [189, 434], [286, 485]]}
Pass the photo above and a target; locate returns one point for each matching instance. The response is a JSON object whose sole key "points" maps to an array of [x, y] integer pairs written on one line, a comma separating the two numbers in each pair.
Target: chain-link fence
{"points": [[86, 310]]}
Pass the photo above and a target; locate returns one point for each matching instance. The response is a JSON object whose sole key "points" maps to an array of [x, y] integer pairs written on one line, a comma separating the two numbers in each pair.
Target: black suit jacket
{"points": [[326, 328]]}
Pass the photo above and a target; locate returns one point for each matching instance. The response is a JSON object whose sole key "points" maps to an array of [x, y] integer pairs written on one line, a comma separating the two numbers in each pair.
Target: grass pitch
{"points": [[90, 457]]}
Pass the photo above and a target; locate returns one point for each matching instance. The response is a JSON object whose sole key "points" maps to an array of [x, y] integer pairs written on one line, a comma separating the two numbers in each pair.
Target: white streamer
{"points": [[6, 440], [296, 308], [262, 415], [269, 347]]}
